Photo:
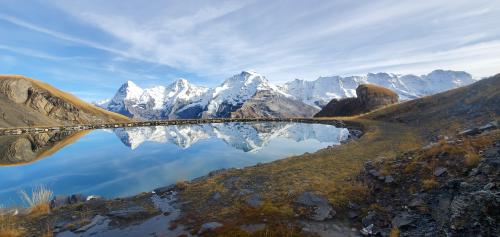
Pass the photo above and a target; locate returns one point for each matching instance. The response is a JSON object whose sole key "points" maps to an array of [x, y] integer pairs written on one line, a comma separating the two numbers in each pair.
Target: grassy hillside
{"points": [[9, 108], [463, 106]]}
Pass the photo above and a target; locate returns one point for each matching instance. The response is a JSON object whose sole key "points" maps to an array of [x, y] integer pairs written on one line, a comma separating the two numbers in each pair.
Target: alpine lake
{"points": [[122, 162]]}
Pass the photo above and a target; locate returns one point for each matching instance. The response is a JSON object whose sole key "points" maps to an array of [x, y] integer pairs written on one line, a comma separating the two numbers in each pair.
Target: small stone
{"points": [[489, 186], [129, 212], [352, 214], [402, 219], [93, 197], [368, 219], [216, 196], [416, 202], [209, 226], [440, 171], [251, 228], [389, 179], [474, 172], [254, 200], [367, 230], [76, 198], [353, 205], [97, 220], [322, 209], [245, 191], [374, 173], [464, 185]]}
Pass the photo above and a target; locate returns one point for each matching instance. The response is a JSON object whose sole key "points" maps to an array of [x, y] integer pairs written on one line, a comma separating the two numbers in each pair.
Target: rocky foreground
{"points": [[448, 188]]}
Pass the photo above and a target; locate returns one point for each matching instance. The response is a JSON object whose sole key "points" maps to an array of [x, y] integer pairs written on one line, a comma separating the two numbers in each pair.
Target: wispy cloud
{"points": [[222, 38], [282, 39], [60, 35], [35, 53]]}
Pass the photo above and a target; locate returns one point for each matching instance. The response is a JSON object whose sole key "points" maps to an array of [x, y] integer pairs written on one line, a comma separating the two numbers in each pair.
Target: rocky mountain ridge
{"points": [[250, 94], [184, 100], [322, 90]]}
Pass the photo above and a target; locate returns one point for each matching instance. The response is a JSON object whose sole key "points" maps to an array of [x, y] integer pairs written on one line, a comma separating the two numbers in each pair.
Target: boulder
{"points": [[209, 226], [369, 97], [319, 207]]}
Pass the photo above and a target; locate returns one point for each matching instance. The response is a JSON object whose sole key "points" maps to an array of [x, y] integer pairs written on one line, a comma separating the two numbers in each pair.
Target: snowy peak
{"points": [[156, 102], [179, 85], [324, 89], [234, 91], [182, 89], [181, 99], [130, 90]]}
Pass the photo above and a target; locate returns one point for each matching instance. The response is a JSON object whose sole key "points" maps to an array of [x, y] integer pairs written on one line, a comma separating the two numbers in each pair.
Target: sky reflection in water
{"points": [[145, 158]]}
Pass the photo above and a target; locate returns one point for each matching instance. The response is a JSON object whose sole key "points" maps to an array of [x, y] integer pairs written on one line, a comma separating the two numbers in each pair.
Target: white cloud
{"points": [[289, 39]]}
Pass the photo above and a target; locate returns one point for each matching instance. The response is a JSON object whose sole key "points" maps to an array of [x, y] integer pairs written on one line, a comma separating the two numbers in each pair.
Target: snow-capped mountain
{"points": [[184, 100], [251, 94], [235, 91], [322, 90], [157, 102], [248, 137]]}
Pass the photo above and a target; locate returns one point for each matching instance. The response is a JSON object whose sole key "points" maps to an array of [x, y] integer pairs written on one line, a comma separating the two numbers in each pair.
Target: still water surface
{"points": [[127, 161]]}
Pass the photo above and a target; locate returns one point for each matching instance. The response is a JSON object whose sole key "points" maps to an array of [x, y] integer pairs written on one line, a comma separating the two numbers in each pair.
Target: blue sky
{"points": [[91, 47]]}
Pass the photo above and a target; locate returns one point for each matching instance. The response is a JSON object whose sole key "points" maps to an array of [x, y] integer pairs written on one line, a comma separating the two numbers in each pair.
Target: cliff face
{"points": [[369, 97], [27, 102], [265, 104]]}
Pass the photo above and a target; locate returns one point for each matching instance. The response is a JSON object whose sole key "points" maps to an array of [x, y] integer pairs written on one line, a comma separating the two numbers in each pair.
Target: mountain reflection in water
{"points": [[242, 136], [96, 162]]}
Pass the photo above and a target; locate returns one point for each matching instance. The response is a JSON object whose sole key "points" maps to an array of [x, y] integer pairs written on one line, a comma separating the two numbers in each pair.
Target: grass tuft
{"points": [[38, 200], [395, 232]]}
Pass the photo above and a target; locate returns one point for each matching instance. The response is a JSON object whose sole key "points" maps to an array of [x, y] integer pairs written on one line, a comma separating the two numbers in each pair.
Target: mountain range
{"points": [[250, 94], [248, 137]]}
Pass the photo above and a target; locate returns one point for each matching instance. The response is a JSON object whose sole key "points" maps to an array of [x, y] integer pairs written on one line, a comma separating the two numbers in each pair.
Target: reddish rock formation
{"points": [[369, 97]]}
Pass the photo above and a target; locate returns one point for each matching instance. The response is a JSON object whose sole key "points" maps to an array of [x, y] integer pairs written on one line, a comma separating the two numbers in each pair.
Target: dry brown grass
{"points": [[9, 226], [430, 183], [379, 89], [48, 232], [395, 232], [328, 172], [38, 200]]}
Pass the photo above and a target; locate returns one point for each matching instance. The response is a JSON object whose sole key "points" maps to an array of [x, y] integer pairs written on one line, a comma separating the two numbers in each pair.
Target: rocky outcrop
{"points": [[447, 188], [265, 104], [27, 102], [369, 97]]}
